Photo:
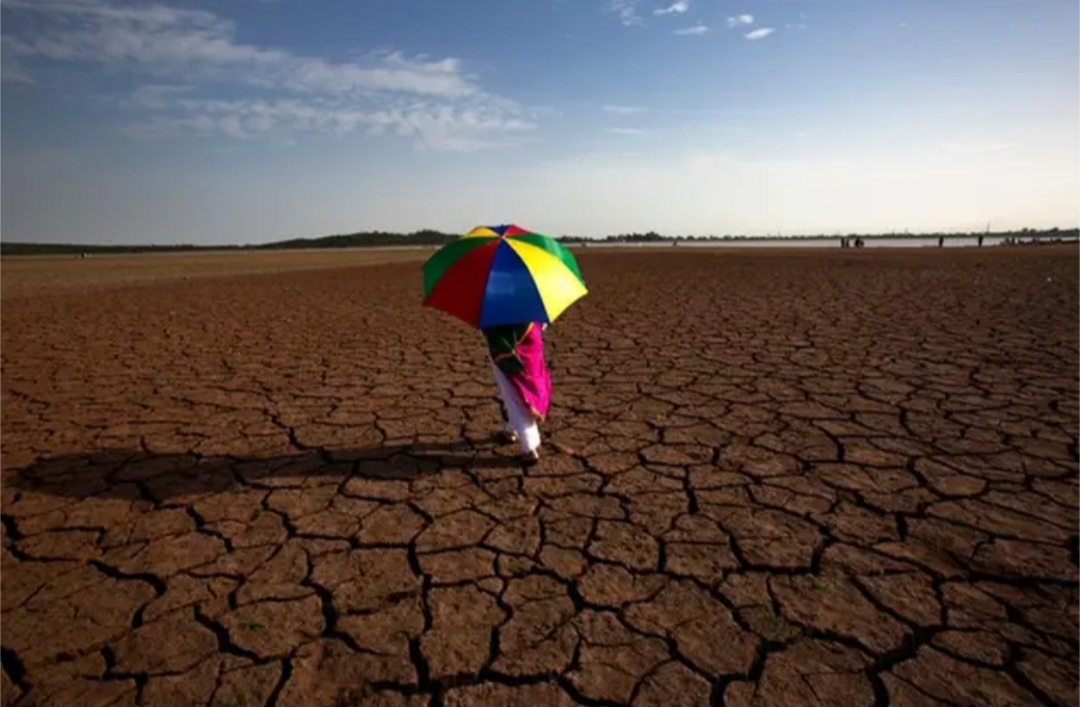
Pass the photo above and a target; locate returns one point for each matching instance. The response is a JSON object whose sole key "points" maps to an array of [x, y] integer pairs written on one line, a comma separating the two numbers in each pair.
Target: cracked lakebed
{"points": [[769, 478]]}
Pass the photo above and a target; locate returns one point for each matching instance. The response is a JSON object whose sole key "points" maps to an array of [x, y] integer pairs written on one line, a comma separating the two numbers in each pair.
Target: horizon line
{"points": [[651, 235]]}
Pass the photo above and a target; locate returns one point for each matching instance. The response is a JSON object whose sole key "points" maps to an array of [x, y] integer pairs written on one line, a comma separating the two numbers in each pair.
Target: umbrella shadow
{"points": [[136, 474]]}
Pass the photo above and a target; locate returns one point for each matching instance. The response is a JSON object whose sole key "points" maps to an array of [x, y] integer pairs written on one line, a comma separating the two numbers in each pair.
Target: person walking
{"points": [[524, 382]]}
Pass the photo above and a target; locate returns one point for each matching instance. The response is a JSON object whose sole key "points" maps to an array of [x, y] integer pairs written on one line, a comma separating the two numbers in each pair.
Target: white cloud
{"points": [[625, 131], [153, 96], [696, 29], [760, 33], [627, 11], [740, 20], [195, 43], [431, 124], [155, 42], [624, 110], [678, 7], [11, 67]]}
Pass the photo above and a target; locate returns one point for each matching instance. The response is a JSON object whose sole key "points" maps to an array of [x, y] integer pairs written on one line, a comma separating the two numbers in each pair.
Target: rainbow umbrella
{"points": [[496, 275]]}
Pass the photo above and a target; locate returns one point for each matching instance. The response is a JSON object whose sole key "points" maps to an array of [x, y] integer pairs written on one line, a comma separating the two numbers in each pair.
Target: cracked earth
{"points": [[769, 478]]}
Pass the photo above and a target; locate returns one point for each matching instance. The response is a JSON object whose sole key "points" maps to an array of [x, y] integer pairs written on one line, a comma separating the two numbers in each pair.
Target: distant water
{"points": [[796, 242]]}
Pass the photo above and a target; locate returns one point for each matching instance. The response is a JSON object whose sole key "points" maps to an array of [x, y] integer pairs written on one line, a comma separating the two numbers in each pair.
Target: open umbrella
{"points": [[495, 275]]}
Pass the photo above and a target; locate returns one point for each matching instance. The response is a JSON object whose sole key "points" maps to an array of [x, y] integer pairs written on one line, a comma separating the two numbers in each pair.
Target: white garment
{"points": [[521, 419]]}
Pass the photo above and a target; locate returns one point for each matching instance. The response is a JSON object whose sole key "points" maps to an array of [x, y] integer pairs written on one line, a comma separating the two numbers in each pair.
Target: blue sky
{"points": [[241, 121]]}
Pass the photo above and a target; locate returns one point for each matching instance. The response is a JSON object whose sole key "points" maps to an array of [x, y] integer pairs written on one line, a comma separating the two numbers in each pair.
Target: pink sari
{"points": [[533, 385]]}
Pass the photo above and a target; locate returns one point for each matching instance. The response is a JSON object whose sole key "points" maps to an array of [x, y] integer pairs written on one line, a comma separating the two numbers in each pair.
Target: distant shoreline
{"points": [[422, 240]]}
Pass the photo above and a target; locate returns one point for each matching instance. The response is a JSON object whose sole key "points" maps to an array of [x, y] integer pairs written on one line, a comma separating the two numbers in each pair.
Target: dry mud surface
{"points": [[774, 478], [29, 275]]}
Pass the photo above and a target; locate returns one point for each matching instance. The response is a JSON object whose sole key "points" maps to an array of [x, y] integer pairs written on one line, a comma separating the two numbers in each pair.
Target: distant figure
{"points": [[859, 242], [980, 241], [941, 242]]}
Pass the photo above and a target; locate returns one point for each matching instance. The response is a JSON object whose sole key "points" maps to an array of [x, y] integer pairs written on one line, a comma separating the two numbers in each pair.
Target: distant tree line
{"points": [[365, 239], [370, 239], [432, 238]]}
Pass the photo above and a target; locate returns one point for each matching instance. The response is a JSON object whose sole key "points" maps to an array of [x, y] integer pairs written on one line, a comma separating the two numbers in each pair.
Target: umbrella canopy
{"points": [[495, 275]]}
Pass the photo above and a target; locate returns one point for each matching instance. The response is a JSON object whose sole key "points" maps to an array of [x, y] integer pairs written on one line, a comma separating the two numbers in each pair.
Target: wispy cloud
{"points": [[760, 33], [168, 40], [625, 131], [624, 110], [677, 8], [740, 20], [438, 127], [433, 101], [626, 11], [689, 31], [11, 66]]}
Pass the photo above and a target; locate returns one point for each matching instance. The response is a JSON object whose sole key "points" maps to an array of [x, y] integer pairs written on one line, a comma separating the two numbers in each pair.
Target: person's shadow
{"points": [[139, 474]]}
